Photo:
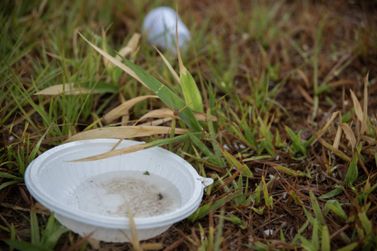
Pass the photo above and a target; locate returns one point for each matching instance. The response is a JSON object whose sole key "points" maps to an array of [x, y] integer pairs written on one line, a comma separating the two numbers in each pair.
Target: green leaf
{"points": [[166, 95], [332, 193], [288, 171], [219, 232], [211, 156], [34, 228], [349, 247], [191, 92], [335, 207], [25, 246], [101, 87], [316, 208], [315, 234], [9, 176], [205, 209], [267, 198], [306, 244], [242, 168], [298, 145], [52, 233], [365, 223], [325, 239], [352, 171], [8, 183]]}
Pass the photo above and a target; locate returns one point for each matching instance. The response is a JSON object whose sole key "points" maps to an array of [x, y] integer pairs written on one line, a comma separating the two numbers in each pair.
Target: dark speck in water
{"points": [[160, 196]]}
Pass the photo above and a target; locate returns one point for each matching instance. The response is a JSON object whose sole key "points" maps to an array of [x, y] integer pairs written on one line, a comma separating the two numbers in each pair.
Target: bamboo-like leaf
{"points": [[134, 148], [349, 135], [163, 92], [124, 132], [64, 89], [357, 106], [124, 108]]}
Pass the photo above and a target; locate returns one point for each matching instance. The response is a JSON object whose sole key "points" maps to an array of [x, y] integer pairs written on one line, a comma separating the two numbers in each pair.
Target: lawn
{"points": [[276, 101]]}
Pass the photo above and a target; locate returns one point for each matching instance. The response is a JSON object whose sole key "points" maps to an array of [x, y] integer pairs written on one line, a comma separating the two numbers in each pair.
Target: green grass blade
{"points": [[34, 228], [316, 208], [25, 246], [352, 172], [325, 239], [242, 168], [167, 96]]}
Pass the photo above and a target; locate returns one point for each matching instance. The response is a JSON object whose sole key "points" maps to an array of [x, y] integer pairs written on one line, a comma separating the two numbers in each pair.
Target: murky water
{"points": [[114, 193]]}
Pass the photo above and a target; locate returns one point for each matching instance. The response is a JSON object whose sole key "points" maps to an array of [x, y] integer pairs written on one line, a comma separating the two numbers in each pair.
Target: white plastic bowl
{"points": [[57, 183]]}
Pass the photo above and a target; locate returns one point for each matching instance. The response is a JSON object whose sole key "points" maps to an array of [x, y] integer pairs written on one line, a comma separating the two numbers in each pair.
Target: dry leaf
{"points": [[123, 132], [364, 124], [129, 149], [156, 122], [65, 89], [134, 237], [123, 108], [325, 127], [349, 135], [113, 60], [337, 138], [203, 117], [158, 113], [337, 152], [357, 106], [130, 47]]}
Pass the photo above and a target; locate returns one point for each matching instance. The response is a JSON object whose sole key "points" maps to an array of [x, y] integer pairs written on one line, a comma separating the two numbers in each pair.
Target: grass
{"points": [[280, 112]]}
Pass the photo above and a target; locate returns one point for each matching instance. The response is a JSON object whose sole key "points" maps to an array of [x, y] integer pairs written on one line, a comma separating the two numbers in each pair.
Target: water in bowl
{"points": [[113, 194]]}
